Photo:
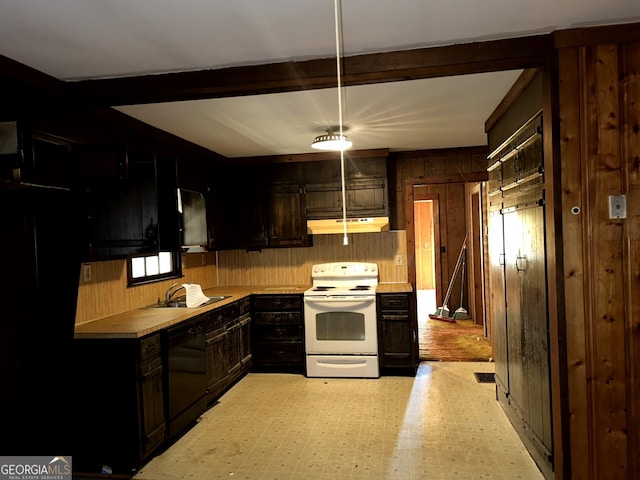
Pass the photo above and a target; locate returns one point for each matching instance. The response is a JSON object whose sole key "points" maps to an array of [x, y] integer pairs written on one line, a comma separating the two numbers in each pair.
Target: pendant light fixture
{"points": [[331, 141]]}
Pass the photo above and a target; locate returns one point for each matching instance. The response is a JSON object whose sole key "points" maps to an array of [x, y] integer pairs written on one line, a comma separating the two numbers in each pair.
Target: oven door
{"points": [[340, 325]]}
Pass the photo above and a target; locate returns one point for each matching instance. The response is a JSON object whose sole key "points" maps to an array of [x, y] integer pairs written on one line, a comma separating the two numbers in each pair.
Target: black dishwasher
{"points": [[186, 379]]}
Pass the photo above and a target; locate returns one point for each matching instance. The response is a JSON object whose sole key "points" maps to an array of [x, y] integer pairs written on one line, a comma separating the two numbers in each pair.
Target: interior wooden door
{"points": [[425, 244]]}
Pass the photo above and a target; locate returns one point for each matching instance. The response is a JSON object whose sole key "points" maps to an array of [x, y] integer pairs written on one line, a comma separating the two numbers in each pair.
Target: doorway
{"points": [[444, 215], [424, 213]]}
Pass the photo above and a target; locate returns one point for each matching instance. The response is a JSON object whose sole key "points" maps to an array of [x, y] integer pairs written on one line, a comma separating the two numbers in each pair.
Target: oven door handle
{"points": [[339, 299]]}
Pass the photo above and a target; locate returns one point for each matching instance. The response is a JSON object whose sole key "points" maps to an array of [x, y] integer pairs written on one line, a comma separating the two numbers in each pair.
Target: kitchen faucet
{"points": [[171, 291]]}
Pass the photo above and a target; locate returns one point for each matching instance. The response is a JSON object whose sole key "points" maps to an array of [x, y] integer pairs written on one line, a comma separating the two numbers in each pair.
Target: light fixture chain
{"points": [[338, 10]]}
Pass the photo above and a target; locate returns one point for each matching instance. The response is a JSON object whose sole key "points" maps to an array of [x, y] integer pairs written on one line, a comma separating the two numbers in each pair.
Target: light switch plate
{"points": [[86, 272], [617, 206]]}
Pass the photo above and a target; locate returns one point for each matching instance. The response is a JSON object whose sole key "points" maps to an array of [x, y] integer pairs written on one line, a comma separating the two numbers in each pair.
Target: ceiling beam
{"points": [[421, 63]]}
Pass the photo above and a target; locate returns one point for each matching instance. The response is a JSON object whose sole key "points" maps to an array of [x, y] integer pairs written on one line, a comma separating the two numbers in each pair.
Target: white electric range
{"points": [[341, 338]]}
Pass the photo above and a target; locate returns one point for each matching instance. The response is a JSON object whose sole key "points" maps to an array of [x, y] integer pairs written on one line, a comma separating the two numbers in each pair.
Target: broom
{"points": [[443, 313], [461, 313]]}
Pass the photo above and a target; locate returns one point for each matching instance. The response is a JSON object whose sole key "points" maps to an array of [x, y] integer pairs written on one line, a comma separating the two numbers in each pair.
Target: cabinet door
{"points": [[287, 218], [513, 258], [498, 299], [245, 340], [250, 219], [367, 197], [154, 431], [122, 213], [535, 337], [397, 331], [217, 362], [324, 200], [48, 162], [396, 339], [232, 347]]}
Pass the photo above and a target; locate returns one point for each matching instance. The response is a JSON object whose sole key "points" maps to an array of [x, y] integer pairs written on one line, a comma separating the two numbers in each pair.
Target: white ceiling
{"points": [[79, 39]]}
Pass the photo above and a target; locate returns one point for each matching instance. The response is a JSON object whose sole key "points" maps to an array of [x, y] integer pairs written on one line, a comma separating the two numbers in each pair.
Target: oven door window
{"points": [[340, 326]]}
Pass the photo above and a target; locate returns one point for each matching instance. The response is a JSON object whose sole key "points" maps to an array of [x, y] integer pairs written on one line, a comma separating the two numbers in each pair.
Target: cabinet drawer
{"points": [[277, 302], [394, 301], [214, 320], [278, 318], [151, 367], [244, 306], [278, 354], [278, 333], [149, 347], [387, 317], [221, 316]]}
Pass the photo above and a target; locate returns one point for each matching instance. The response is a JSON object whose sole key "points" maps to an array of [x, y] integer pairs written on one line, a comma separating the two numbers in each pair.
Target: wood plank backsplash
{"points": [[292, 266], [107, 292]]}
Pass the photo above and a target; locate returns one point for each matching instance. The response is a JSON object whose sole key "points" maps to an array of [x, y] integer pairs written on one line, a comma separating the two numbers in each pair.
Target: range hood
{"points": [[354, 225]]}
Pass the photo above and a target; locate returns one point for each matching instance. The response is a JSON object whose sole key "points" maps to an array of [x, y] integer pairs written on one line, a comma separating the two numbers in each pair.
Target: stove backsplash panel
{"points": [[292, 266]]}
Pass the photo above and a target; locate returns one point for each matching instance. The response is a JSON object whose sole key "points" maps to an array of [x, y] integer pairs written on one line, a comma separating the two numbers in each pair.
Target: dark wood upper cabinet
{"points": [[257, 213], [125, 190], [364, 198], [32, 157], [287, 217]]}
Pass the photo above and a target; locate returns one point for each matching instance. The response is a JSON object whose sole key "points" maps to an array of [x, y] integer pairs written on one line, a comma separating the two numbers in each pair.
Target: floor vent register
{"points": [[483, 377]]}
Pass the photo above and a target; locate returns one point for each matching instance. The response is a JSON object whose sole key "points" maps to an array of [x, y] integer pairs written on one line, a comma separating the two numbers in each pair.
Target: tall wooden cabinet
{"points": [[517, 254]]}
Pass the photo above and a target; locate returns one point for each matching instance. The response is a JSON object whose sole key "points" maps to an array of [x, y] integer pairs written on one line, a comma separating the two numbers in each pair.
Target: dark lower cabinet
{"points": [[151, 390], [121, 403], [228, 346], [278, 333], [397, 332], [121, 385]]}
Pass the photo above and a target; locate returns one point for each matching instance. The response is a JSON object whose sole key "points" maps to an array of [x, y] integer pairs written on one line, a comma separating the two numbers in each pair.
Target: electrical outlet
{"points": [[398, 260], [86, 272]]}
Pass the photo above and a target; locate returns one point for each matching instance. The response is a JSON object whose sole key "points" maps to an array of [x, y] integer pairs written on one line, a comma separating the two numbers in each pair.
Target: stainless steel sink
{"points": [[183, 304]]}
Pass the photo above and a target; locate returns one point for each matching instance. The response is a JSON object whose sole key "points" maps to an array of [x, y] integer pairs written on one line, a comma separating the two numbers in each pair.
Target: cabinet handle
{"points": [[521, 263], [501, 260]]}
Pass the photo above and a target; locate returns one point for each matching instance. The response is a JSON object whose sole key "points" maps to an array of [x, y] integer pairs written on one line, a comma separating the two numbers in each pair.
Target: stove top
{"points": [[324, 288], [344, 278]]}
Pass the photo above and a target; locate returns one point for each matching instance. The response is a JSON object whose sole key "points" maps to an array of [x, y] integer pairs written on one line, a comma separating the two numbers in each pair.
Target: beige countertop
{"points": [[394, 288], [144, 321]]}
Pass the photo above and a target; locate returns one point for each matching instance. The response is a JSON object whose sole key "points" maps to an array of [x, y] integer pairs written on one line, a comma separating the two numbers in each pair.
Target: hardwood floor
{"points": [[462, 341]]}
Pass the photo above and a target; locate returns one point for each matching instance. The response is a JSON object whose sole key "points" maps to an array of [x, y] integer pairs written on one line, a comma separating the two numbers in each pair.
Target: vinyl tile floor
{"points": [[440, 424]]}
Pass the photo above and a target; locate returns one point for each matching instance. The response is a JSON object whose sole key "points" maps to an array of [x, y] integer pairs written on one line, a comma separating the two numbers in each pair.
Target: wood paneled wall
{"points": [[599, 111], [427, 163]]}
